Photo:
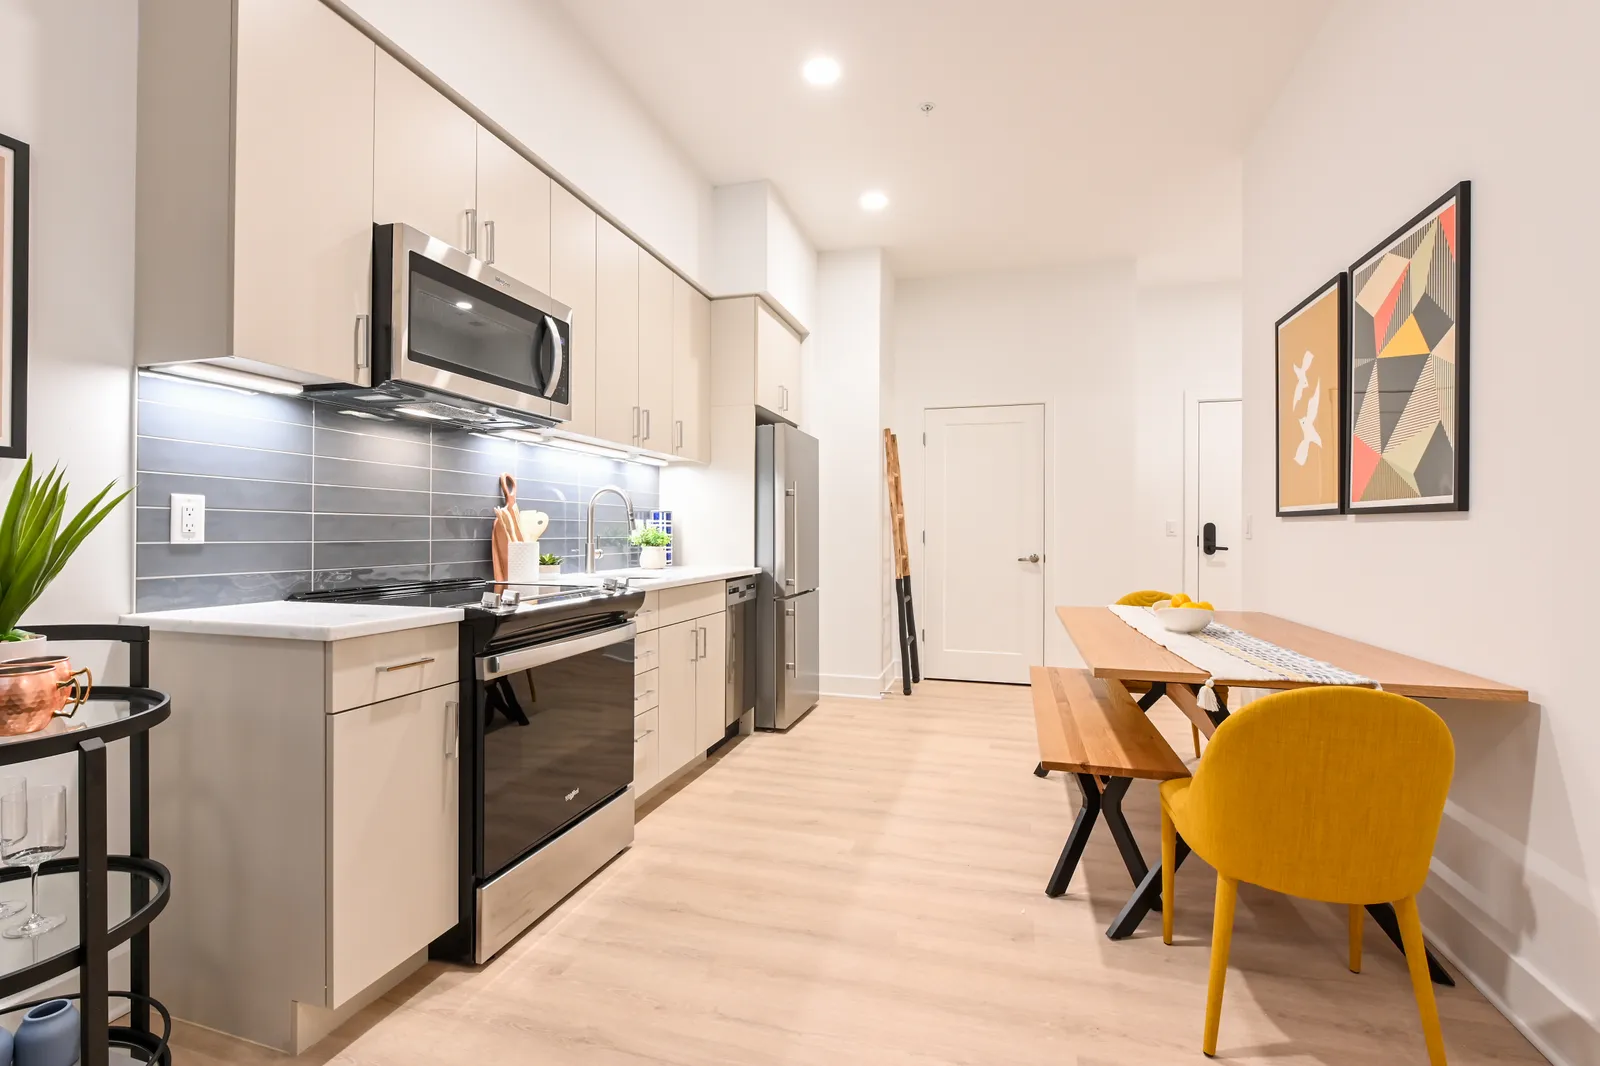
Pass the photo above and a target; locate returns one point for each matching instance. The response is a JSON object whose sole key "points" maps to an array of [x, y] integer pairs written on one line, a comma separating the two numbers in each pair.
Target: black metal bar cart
{"points": [[111, 713]]}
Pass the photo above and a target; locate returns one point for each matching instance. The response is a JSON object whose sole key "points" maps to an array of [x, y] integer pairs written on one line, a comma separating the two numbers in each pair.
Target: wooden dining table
{"points": [[1113, 650]]}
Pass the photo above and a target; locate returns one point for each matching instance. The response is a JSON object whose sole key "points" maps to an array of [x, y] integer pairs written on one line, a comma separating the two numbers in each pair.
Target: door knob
{"points": [[1033, 558], [1208, 539]]}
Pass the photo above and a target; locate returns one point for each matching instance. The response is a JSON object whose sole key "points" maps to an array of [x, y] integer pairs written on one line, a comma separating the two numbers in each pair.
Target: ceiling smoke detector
{"points": [[926, 106]]}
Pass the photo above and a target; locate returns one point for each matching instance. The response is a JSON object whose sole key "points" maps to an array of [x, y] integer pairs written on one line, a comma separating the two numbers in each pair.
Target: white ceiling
{"points": [[1065, 131]]}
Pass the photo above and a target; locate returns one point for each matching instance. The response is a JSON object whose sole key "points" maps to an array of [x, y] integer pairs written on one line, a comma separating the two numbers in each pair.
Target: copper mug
{"points": [[37, 689]]}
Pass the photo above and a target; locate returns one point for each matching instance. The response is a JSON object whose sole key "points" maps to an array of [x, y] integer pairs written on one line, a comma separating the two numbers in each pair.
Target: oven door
{"points": [[557, 738], [455, 324]]}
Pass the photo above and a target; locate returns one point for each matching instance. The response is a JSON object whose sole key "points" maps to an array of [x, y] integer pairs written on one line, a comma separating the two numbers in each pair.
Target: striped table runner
{"points": [[1234, 656]]}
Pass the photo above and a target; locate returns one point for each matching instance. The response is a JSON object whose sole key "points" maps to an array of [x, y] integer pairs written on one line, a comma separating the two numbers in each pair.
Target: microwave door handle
{"points": [[560, 357]]}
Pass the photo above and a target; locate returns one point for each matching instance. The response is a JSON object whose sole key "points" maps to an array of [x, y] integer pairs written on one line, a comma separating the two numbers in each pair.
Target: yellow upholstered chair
{"points": [[1145, 598], [1327, 793]]}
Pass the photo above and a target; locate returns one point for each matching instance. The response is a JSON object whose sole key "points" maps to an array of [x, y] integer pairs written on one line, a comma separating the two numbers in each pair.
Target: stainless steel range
{"points": [[546, 745]]}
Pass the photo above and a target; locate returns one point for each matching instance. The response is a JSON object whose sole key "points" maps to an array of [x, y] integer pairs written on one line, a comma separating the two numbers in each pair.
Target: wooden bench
{"points": [[1095, 731]]}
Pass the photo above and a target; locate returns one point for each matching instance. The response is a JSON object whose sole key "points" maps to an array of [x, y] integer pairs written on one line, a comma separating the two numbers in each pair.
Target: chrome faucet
{"points": [[590, 552]]}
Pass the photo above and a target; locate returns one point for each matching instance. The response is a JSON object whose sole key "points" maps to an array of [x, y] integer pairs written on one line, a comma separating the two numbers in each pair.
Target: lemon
{"points": [[1179, 599], [1204, 605]]}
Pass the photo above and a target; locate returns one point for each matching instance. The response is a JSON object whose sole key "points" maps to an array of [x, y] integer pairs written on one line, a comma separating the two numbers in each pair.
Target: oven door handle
{"points": [[511, 662]]}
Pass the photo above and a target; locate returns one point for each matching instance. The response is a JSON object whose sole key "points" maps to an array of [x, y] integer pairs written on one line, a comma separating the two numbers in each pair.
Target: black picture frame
{"points": [[14, 441], [1461, 193], [1341, 282]]}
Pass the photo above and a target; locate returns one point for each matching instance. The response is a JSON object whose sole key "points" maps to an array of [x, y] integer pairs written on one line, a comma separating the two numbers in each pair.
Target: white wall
{"points": [[1188, 347], [844, 411], [528, 67], [1111, 363], [67, 88], [1503, 94], [757, 247]]}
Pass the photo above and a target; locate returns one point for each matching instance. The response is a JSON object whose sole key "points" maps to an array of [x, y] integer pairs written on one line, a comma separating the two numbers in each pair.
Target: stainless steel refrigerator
{"points": [[788, 623]]}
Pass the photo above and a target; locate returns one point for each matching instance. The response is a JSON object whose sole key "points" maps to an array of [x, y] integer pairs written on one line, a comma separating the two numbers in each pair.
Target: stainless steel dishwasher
{"points": [[741, 647]]}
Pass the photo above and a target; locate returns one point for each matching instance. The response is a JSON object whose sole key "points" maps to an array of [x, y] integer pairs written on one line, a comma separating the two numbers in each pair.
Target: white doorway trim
{"points": [[1191, 483]]}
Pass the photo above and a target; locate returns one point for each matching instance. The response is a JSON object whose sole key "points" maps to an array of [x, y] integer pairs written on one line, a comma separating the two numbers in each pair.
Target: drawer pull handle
{"points": [[408, 666], [642, 695], [646, 733]]}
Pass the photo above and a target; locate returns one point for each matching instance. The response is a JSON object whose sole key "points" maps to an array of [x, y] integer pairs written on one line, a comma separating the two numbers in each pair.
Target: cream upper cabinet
{"points": [[616, 330], [303, 161], [426, 158], [656, 429], [675, 714], [393, 827], [711, 681], [513, 212], [572, 281], [691, 372], [777, 365]]}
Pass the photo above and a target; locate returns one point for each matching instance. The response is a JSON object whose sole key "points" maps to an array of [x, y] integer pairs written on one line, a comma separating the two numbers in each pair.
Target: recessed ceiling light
{"points": [[463, 305], [821, 70], [874, 200]]}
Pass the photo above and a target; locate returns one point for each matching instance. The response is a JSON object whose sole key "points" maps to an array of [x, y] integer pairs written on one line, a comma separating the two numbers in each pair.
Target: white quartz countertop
{"points": [[284, 620], [670, 578]]}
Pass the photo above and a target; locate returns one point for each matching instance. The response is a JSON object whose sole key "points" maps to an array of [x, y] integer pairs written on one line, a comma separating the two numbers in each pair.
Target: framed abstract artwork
{"points": [[1409, 304], [1310, 360], [13, 297]]}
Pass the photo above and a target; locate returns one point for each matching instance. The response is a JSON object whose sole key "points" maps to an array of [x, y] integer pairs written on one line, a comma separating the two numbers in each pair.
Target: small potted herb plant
{"points": [[652, 547], [549, 565], [34, 546]]}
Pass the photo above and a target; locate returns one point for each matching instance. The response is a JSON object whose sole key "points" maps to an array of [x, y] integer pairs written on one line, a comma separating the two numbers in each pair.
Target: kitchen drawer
{"points": [[649, 616], [646, 651], [646, 691], [365, 670], [646, 754], [693, 601]]}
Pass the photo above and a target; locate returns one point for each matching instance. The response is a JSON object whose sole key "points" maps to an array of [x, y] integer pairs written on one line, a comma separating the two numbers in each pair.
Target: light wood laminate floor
{"points": [[869, 889]]}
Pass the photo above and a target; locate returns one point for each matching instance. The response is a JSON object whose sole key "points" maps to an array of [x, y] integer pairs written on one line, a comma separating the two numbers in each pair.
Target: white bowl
{"points": [[1184, 619]]}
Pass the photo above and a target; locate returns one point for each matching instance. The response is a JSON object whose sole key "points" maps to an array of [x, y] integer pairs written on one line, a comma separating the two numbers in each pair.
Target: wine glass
{"points": [[13, 825], [47, 839]]}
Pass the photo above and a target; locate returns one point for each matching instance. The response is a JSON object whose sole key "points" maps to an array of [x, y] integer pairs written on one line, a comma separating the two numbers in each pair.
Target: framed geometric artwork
{"points": [[1310, 358], [1409, 303], [13, 297]]}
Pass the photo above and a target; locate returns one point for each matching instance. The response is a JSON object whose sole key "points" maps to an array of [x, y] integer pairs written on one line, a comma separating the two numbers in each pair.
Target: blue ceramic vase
{"points": [[48, 1035]]}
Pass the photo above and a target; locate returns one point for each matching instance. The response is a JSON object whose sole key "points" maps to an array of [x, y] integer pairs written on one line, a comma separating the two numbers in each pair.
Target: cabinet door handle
{"points": [[488, 241], [677, 428], [635, 423], [472, 231], [413, 664], [363, 341], [646, 434], [452, 729]]}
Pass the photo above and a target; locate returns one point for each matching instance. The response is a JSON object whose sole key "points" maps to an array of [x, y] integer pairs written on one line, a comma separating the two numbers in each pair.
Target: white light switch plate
{"points": [[1172, 528], [188, 519]]}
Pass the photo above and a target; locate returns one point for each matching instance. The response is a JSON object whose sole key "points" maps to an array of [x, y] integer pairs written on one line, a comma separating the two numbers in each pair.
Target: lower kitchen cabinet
{"points": [[711, 681], [394, 829], [680, 652], [684, 681]]}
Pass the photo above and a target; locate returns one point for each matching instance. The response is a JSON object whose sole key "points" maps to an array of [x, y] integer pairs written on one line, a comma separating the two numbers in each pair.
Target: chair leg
{"points": [[1196, 731], [1221, 941], [1421, 982], [1358, 914], [1169, 872]]}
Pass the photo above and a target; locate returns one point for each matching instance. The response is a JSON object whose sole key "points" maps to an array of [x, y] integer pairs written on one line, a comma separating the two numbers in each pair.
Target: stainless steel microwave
{"points": [[456, 340]]}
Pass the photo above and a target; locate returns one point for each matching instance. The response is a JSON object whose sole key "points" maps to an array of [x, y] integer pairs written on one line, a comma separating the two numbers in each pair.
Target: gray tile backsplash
{"points": [[299, 496]]}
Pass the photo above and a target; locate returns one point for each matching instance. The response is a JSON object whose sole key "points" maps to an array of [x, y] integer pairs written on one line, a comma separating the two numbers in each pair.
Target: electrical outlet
{"points": [[1172, 528], [188, 519]]}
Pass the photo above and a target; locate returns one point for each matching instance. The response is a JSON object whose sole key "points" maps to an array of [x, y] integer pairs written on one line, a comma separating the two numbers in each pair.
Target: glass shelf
{"points": [[110, 713]]}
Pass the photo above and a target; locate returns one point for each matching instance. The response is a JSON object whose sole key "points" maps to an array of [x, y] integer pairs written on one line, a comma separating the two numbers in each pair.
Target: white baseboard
{"points": [[852, 686], [1556, 1027]]}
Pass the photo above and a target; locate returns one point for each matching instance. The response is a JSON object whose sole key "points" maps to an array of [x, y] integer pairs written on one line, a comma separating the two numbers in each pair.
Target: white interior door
{"points": [[984, 518], [1219, 504]]}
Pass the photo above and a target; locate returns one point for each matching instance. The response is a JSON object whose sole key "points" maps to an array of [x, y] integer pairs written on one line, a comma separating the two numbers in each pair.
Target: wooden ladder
{"points": [[910, 660]]}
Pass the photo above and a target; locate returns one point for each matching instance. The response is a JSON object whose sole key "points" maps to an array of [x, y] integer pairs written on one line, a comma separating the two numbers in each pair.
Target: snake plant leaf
{"points": [[8, 525]]}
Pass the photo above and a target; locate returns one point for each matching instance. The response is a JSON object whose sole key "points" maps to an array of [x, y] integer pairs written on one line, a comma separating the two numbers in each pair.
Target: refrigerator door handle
{"points": [[794, 640], [791, 553]]}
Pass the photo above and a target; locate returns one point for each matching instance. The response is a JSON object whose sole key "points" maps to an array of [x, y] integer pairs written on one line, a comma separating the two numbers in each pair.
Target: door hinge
{"points": [[924, 636], [924, 536], [924, 440]]}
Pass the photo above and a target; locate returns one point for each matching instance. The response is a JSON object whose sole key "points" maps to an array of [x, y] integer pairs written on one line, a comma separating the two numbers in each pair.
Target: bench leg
{"points": [[1146, 897], [1148, 700], [1040, 771], [1067, 865], [1111, 803], [1383, 914]]}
